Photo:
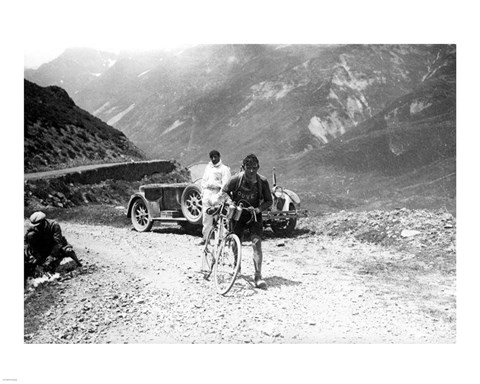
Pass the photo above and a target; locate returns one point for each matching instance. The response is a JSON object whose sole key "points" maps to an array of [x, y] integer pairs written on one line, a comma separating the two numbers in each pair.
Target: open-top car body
{"points": [[176, 202], [182, 203]]}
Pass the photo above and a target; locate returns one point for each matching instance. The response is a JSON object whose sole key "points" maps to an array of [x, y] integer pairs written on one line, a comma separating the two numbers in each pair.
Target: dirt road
{"points": [[147, 288]]}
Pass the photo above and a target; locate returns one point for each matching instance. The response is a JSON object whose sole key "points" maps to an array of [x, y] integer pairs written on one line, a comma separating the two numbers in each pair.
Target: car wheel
{"points": [[140, 219], [191, 203], [284, 228]]}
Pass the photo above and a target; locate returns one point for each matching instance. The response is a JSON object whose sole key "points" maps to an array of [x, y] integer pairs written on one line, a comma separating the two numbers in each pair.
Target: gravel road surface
{"points": [[147, 288]]}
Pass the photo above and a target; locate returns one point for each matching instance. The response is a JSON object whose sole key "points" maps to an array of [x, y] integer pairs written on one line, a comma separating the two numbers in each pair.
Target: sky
{"points": [[33, 57], [51, 26], [38, 31]]}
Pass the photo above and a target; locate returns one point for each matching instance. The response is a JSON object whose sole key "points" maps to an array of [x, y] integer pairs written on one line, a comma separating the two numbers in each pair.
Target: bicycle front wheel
{"points": [[229, 258]]}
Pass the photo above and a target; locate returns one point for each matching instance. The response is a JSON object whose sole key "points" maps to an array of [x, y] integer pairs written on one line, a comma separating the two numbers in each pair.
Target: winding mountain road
{"points": [[65, 171]]}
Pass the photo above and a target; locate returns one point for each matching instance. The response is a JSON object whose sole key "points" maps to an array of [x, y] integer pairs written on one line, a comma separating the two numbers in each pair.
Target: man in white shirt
{"points": [[215, 177]]}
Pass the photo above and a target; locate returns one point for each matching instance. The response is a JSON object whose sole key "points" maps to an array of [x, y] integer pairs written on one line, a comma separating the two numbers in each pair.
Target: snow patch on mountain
{"points": [[110, 62], [120, 115], [326, 129], [144, 72], [176, 124], [418, 106], [271, 90], [355, 106], [434, 67], [247, 107], [345, 76], [101, 109]]}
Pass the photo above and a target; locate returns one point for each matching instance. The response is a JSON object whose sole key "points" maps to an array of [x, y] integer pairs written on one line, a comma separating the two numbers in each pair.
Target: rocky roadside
{"points": [[349, 277]]}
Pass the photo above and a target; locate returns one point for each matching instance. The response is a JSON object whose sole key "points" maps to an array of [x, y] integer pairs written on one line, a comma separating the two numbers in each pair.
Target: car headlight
{"points": [[278, 192]]}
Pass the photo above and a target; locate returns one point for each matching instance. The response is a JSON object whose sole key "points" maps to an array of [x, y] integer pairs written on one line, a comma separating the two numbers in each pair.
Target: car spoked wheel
{"points": [[191, 203], [194, 205], [140, 218]]}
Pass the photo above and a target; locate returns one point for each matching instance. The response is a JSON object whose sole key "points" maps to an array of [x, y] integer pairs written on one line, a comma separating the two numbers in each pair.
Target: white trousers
{"points": [[209, 199]]}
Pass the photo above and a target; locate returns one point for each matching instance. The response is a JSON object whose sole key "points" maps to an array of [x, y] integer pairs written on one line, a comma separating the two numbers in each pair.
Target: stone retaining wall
{"points": [[133, 171]]}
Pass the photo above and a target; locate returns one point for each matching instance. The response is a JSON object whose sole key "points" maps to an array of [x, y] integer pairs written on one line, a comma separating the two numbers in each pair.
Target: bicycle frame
{"points": [[222, 225], [213, 256]]}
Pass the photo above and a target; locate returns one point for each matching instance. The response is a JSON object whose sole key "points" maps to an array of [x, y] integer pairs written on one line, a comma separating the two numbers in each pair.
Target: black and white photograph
{"points": [[193, 194]]}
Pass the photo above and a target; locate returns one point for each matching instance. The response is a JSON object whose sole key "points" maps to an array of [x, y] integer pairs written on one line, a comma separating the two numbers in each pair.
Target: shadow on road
{"points": [[172, 231], [278, 281], [298, 232], [272, 281], [267, 234]]}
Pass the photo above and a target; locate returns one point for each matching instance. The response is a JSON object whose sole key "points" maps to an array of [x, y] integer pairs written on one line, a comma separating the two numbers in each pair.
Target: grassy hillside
{"points": [[59, 134]]}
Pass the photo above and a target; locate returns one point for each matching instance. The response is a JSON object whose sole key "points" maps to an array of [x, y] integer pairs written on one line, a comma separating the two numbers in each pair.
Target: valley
{"points": [[347, 126]]}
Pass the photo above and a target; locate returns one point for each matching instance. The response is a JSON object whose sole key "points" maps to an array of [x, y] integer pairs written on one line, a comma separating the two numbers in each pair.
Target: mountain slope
{"points": [[412, 131], [278, 100], [405, 153], [342, 123], [57, 133]]}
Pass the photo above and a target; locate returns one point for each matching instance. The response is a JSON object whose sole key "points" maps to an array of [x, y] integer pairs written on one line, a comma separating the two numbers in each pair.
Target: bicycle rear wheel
{"points": [[229, 258], [208, 257]]}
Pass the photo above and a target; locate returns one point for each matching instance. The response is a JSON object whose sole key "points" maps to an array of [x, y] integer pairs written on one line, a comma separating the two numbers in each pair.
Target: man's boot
{"points": [[259, 282], [69, 252], [75, 258]]}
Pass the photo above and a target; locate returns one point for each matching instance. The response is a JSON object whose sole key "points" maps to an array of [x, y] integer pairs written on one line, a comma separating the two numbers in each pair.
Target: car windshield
{"points": [[196, 171]]}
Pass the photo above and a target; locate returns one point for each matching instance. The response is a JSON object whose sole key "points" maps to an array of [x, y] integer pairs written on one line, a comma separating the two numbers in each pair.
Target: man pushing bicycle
{"points": [[251, 189]]}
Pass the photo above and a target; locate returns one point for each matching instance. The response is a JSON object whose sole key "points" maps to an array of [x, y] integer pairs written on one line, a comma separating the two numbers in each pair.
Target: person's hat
{"points": [[36, 218]]}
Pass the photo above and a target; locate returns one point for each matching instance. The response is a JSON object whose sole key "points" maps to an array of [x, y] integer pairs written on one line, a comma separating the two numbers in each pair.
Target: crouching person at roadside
{"points": [[44, 246]]}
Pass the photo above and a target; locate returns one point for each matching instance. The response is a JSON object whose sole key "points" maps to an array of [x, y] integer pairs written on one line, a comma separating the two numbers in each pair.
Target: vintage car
{"points": [[282, 216], [178, 202], [182, 203]]}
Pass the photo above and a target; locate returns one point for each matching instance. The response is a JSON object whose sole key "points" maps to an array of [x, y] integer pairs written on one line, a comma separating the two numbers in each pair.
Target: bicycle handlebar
{"points": [[218, 209]]}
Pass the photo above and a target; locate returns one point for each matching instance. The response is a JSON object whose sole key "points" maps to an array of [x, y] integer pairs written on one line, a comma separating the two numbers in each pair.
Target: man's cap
{"points": [[36, 218]]}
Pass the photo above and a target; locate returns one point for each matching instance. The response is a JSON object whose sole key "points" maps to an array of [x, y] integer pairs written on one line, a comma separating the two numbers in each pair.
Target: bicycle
{"points": [[222, 253]]}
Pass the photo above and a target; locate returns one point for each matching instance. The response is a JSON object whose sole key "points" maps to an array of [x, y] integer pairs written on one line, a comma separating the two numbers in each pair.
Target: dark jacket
{"points": [[265, 196], [45, 242]]}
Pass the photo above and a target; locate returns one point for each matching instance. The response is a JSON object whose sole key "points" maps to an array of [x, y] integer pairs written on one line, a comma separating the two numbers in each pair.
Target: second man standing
{"points": [[215, 177]]}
